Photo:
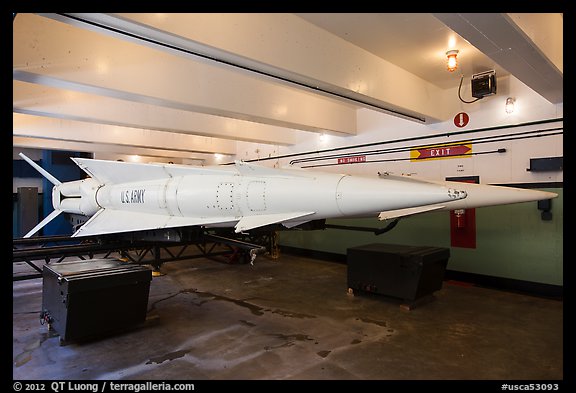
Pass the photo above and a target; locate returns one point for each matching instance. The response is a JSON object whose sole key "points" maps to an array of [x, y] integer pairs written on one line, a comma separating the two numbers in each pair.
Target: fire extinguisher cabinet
{"points": [[404, 272]]}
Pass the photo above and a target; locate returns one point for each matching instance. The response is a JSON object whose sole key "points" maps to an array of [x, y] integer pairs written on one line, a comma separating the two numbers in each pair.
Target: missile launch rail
{"points": [[48, 249]]}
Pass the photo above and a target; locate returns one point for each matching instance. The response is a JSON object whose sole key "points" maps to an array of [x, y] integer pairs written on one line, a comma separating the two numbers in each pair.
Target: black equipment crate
{"points": [[86, 299], [405, 272]]}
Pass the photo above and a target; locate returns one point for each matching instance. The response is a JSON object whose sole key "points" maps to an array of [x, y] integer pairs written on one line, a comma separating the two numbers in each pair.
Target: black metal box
{"points": [[85, 299], [405, 272]]}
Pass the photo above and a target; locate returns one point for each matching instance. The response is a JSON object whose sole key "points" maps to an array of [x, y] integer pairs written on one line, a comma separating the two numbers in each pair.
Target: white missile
{"points": [[125, 197], [478, 195]]}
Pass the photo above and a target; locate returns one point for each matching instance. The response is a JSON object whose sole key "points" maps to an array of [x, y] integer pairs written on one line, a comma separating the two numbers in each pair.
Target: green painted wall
{"points": [[512, 240]]}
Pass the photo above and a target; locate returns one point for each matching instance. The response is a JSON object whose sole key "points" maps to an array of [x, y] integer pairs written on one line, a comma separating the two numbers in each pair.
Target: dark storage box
{"points": [[405, 272], [85, 299]]}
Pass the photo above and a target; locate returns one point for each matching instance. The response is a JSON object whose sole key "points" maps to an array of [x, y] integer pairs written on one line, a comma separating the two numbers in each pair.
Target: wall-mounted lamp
{"points": [[510, 105], [452, 61]]}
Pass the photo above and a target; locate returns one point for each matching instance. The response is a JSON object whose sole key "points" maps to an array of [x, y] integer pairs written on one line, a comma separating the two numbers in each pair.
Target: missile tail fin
{"points": [[43, 223], [248, 169], [116, 221], [55, 213], [42, 171], [115, 172]]}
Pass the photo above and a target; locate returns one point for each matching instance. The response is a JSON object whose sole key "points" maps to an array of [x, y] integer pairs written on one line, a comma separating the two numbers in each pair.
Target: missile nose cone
{"points": [[549, 195], [537, 195], [457, 194]]}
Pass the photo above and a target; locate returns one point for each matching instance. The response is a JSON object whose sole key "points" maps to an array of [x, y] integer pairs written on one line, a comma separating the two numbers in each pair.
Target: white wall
{"points": [[497, 168]]}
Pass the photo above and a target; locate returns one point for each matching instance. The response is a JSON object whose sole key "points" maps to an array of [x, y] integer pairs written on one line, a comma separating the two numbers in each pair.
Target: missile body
{"points": [[124, 197], [224, 196]]}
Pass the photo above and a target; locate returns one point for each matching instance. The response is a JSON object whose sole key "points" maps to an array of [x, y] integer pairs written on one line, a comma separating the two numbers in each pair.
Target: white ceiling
{"points": [[416, 42], [186, 86]]}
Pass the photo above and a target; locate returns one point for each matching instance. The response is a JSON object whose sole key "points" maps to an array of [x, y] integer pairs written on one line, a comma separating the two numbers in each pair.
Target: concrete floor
{"points": [[292, 318]]}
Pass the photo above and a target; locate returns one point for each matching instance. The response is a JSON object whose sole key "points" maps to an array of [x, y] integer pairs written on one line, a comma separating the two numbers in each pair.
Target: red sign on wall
{"points": [[461, 119], [443, 151], [351, 160], [439, 152]]}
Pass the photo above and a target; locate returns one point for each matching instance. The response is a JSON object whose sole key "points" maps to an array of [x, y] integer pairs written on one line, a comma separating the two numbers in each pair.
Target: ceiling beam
{"points": [[65, 56], [108, 150], [501, 39], [76, 131], [43, 100], [285, 47]]}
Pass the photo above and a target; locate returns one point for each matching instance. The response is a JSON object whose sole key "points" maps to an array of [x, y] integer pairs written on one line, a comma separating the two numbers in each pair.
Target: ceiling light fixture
{"points": [[510, 105], [452, 62]]}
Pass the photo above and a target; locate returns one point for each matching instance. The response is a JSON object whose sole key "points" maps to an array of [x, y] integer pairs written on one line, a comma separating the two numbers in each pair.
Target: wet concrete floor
{"points": [[293, 318]]}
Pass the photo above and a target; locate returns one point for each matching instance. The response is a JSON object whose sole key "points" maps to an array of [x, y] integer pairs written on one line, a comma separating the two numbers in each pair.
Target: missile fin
{"points": [[55, 213], [44, 222], [386, 215], [42, 171], [256, 170], [115, 221], [115, 172], [404, 178], [250, 222]]}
